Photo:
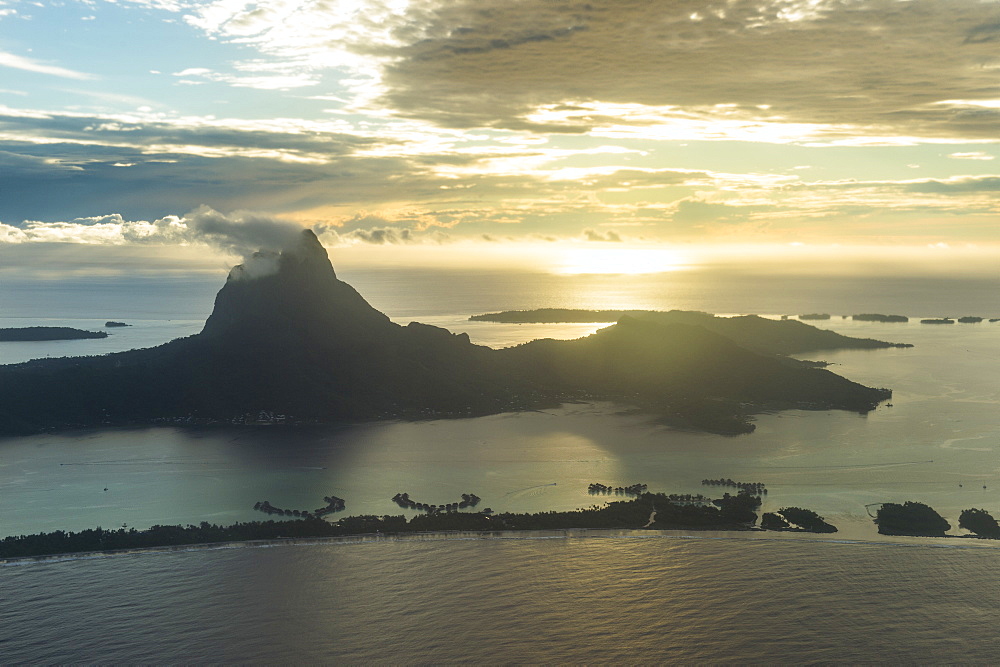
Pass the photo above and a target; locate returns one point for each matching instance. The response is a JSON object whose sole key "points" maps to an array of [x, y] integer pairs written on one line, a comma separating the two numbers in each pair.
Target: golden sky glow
{"points": [[629, 261], [547, 125]]}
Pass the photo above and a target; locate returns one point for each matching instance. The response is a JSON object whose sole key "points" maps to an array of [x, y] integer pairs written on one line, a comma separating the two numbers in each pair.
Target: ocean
{"points": [[519, 598], [568, 596]]}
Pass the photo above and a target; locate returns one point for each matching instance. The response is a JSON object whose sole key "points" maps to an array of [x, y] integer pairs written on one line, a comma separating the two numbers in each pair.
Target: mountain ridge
{"points": [[760, 334], [286, 336]]}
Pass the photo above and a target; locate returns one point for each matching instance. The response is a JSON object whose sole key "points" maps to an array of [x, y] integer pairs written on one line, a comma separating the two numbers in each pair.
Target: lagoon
{"points": [[936, 443]]}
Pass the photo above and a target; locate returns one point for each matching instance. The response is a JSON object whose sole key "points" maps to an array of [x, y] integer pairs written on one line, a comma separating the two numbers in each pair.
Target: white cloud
{"points": [[973, 155], [31, 65], [240, 233], [261, 76]]}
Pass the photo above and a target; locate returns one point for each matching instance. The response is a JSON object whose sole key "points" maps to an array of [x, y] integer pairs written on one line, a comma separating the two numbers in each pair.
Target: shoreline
{"points": [[755, 534]]}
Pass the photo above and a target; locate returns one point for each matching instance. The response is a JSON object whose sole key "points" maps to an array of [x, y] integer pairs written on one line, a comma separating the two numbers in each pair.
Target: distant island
{"points": [[970, 319], [111, 324], [920, 520], [47, 333], [815, 316], [938, 320], [759, 334], [287, 337], [879, 317]]}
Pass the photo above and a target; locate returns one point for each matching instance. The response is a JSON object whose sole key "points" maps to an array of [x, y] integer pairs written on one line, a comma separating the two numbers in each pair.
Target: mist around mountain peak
{"points": [[300, 249]]}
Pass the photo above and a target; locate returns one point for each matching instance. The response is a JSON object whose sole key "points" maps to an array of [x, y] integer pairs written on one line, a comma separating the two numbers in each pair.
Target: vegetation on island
{"points": [[752, 332], [687, 375], [920, 520], [879, 317], [815, 316], [657, 511], [18, 334], [910, 518], [805, 520], [980, 522], [938, 320], [112, 324], [773, 521]]}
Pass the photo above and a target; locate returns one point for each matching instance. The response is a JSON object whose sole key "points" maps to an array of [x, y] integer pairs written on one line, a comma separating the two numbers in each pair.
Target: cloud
{"points": [[31, 65], [697, 212], [973, 155], [384, 236], [66, 164], [253, 236], [239, 233], [596, 235], [954, 185], [776, 70], [291, 140], [809, 66], [379, 235], [957, 185], [254, 74]]}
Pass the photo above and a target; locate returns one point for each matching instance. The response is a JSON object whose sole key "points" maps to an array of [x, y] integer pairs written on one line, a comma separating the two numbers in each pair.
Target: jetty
{"points": [[601, 489], [752, 488], [333, 504], [404, 501]]}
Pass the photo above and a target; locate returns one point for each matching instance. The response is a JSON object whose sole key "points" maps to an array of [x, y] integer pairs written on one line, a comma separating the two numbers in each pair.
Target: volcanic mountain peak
{"points": [[306, 256], [296, 288]]}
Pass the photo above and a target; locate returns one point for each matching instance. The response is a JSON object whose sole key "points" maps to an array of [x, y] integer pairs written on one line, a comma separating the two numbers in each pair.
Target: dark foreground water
{"points": [[604, 597]]}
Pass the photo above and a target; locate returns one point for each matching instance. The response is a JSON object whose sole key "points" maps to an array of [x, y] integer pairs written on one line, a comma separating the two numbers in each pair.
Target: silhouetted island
{"points": [[879, 317], [650, 510], [755, 333], [938, 320], [920, 520], [910, 518], [970, 319], [286, 337], [815, 316], [111, 324], [47, 333], [796, 519], [980, 522]]}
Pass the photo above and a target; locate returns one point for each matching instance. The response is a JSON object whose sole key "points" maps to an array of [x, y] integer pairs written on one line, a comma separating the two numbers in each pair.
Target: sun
{"points": [[624, 261]]}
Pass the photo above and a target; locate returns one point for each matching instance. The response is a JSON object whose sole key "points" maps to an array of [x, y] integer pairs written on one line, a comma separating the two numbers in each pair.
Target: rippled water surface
{"points": [[609, 598]]}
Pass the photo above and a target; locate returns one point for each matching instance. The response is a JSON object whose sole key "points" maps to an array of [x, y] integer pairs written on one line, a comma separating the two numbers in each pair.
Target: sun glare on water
{"points": [[627, 261]]}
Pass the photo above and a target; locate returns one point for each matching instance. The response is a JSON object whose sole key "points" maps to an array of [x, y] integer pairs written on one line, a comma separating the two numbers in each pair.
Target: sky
{"points": [[568, 135]]}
